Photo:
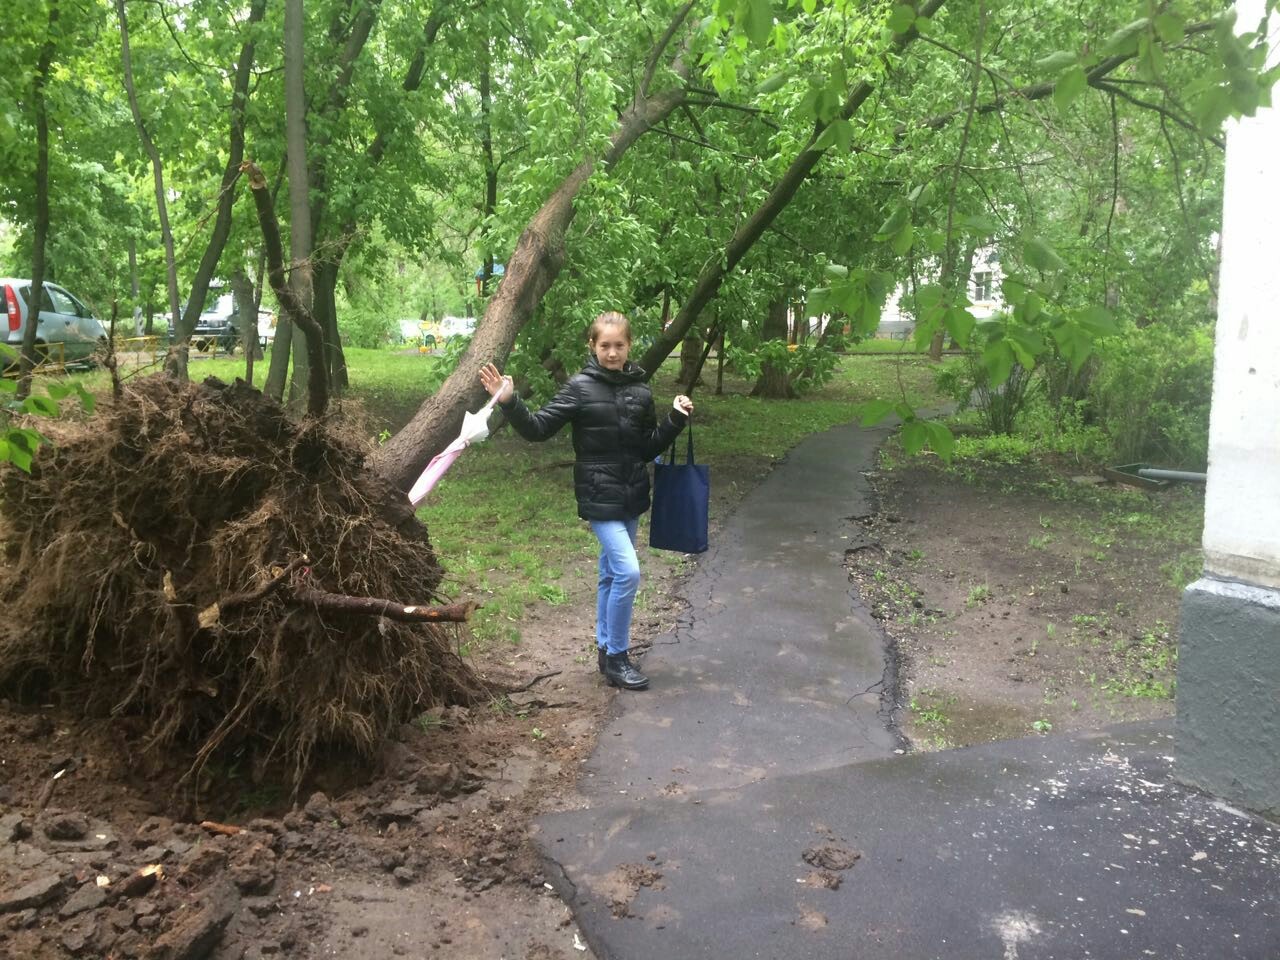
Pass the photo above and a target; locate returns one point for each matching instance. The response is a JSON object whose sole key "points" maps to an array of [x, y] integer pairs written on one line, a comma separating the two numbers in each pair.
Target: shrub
{"points": [[1152, 395]]}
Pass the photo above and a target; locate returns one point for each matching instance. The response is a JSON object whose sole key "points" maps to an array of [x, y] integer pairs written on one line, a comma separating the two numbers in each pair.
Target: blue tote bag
{"points": [[681, 495]]}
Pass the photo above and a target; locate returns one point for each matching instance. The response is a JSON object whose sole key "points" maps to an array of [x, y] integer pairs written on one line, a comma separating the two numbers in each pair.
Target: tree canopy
{"points": [[690, 162]]}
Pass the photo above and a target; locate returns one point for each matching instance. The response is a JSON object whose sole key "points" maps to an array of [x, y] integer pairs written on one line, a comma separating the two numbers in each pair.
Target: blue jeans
{"points": [[619, 579]]}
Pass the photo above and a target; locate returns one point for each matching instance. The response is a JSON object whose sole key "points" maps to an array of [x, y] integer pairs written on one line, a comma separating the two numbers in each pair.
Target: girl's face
{"points": [[611, 347]]}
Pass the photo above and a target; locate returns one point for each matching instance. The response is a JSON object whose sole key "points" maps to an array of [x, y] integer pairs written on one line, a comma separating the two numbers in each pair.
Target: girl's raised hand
{"points": [[683, 404], [495, 383]]}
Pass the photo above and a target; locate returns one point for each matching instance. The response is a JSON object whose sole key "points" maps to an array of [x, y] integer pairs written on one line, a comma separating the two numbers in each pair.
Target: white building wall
{"points": [[1242, 502]]}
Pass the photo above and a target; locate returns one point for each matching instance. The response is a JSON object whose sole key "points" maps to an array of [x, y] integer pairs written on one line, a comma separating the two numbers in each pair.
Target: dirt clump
{"points": [[172, 563]]}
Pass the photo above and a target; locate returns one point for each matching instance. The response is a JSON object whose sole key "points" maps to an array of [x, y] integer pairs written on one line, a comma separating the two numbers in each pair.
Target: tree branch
{"points": [[1164, 112], [1037, 91], [655, 54], [372, 607]]}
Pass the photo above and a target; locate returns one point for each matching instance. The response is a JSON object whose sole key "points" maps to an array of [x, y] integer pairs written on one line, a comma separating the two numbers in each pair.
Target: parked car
{"points": [[218, 324], [62, 319]]}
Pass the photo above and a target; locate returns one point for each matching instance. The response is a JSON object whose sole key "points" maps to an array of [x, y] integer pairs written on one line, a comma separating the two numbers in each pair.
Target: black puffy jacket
{"points": [[615, 435]]}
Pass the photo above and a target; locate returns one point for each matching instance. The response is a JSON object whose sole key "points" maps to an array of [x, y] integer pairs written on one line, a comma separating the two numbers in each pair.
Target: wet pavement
{"points": [[752, 803]]}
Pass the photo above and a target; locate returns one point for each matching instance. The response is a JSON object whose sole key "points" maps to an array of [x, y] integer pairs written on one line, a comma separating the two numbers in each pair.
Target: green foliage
{"points": [[1152, 394], [19, 445], [992, 379]]}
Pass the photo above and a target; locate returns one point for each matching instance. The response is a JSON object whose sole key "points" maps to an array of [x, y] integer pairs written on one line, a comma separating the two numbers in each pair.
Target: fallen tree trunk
{"points": [[531, 269]]}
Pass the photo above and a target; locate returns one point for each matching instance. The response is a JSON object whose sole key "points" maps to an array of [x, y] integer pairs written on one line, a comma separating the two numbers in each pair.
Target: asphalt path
{"points": [[754, 802]]}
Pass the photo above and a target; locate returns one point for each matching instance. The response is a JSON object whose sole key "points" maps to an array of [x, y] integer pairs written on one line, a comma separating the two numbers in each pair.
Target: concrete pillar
{"points": [[1228, 712]]}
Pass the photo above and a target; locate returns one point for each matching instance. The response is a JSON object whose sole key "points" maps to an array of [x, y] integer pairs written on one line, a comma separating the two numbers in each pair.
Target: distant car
{"points": [[62, 319], [218, 325]]}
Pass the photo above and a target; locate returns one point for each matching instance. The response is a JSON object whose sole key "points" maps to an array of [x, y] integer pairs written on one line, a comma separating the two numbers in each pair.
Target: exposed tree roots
{"points": [[185, 562]]}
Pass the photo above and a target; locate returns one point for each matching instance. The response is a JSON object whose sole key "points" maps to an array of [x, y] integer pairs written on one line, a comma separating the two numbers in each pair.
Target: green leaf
{"points": [[1042, 257], [756, 20], [1169, 27], [1070, 86], [8, 386], [41, 406], [20, 458], [1027, 345], [980, 224], [914, 436], [998, 359], [1055, 62], [1098, 320], [940, 438], [959, 323], [773, 83], [902, 240], [902, 18], [1030, 308], [1125, 40], [873, 411], [928, 295], [839, 132], [8, 351], [897, 220], [59, 391], [838, 270], [1073, 344]]}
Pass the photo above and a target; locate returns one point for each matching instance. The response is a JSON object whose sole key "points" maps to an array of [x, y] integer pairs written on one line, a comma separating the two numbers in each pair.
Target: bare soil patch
{"points": [[422, 852], [1025, 598]]}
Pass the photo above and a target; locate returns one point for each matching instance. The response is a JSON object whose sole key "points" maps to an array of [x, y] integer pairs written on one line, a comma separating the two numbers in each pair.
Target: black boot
{"points": [[600, 658], [619, 671]]}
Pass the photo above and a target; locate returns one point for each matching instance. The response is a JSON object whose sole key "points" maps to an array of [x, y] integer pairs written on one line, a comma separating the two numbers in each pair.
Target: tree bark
{"points": [[490, 171], [713, 275], [175, 361], [295, 118], [157, 170], [531, 269], [774, 382], [247, 310], [28, 359], [135, 287]]}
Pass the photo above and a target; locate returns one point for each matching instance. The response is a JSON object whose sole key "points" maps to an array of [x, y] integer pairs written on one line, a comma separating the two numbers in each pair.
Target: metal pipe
{"points": [[1151, 473]]}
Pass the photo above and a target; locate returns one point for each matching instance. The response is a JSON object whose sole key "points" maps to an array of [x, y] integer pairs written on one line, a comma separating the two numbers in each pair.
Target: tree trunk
{"points": [[774, 382], [175, 361], [690, 347], [954, 281], [135, 287], [290, 304], [713, 274], [325, 307], [157, 172], [490, 172], [28, 359], [531, 269], [720, 361], [247, 310], [295, 119]]}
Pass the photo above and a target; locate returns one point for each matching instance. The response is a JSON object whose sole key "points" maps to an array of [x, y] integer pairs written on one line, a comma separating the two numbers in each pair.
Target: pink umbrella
{"points": [[475, 427]]}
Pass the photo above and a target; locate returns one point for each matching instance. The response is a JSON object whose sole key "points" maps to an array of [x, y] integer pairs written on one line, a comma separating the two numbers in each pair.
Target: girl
{"points": [[615, 435]]}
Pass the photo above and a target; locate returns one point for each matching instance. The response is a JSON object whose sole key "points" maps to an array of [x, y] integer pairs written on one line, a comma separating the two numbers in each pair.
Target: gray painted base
{"points": [[1228, 721]]}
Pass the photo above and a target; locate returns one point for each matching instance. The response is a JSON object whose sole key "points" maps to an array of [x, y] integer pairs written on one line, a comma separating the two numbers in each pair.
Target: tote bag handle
{"points": [[689, 456]]}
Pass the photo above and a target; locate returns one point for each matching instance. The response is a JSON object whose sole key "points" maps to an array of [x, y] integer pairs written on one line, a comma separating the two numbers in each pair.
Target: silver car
{"points": [[63, 320]]}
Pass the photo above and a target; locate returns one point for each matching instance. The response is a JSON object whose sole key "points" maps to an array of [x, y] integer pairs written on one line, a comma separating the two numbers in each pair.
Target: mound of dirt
{"points": [[177, 562]]}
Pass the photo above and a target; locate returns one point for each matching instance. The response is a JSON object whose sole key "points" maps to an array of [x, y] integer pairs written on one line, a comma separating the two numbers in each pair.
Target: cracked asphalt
{"points": [[751, 804]]}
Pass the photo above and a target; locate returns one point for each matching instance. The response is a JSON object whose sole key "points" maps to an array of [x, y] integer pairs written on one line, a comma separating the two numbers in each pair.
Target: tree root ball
{"points": [[137, 560]]}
